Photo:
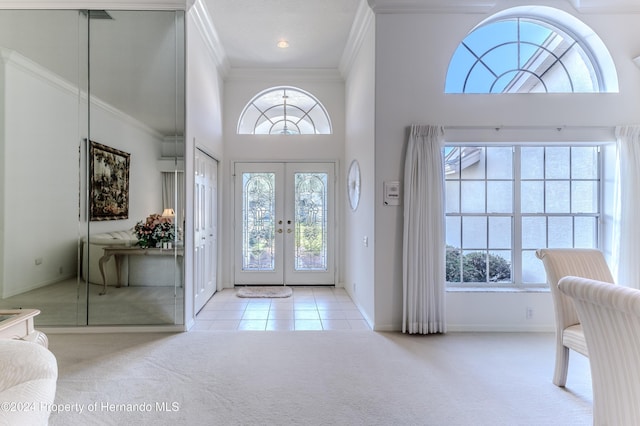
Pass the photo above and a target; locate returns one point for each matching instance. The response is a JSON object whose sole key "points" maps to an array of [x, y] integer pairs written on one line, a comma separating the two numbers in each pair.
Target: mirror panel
{"points": [[136, 117], [67, 79], [42, 97]]}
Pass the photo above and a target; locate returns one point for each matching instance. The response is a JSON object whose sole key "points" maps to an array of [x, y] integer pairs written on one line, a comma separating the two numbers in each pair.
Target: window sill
{"points": [[497, 290]]}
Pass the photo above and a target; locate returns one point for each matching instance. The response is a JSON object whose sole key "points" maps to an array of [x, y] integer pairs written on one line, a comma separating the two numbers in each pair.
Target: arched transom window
{"points": [[533, 53], [284, 111]]}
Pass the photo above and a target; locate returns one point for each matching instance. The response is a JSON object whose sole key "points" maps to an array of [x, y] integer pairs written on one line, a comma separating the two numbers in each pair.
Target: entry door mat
{"points": [[264, 291]]}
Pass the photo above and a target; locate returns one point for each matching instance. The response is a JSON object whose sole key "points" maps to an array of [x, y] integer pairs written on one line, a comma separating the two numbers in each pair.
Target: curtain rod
{"points": [[558, 128]]}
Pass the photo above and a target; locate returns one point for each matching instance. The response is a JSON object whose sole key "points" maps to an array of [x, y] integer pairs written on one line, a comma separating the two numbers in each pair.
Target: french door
{"points": [[284, 223]]}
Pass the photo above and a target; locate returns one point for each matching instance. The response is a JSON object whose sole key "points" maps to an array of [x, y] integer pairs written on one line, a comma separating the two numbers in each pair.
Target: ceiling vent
{"points": [[97, 14]]}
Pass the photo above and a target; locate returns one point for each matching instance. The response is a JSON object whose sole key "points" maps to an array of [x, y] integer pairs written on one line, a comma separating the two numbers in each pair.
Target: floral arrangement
{"points": [[154, 231]]}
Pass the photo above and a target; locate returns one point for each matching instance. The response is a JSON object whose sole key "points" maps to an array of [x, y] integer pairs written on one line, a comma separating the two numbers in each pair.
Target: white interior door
{"points": [[284, 226], [205, 225]]}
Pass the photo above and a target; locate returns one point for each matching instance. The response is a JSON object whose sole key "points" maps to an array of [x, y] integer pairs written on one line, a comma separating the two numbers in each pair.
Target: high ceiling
{"points": [[249, 30], [318, 30], [247, 34]]}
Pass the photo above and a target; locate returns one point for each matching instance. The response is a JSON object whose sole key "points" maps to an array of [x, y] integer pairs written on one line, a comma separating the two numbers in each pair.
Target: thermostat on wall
{"points": [[392, 193]]}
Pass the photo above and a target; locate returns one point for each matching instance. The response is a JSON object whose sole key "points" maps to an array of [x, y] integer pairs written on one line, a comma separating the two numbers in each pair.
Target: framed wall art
{"points": [[109, 191]]}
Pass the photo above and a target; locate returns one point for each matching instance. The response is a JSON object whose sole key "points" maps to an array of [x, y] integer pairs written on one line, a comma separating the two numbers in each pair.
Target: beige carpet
{"points": [[264, 291], [316, 378]]}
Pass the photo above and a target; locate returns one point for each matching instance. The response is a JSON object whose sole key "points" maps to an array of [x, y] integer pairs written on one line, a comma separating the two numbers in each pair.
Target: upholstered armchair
{"points": [[610, 316], [28, 375], [559, 263]]}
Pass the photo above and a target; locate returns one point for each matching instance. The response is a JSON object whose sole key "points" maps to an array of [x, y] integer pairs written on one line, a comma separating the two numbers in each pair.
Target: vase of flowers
{"points": [[154, 231]]}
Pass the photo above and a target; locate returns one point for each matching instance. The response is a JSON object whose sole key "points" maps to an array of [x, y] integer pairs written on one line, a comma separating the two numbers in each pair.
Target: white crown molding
{"points": [[611, 7], [606, 6], [486, 6], [124, 117], [363, 20], [208, 32], [431, 6], [97, 4], [285, 75], [12, 58], [16, 60]]}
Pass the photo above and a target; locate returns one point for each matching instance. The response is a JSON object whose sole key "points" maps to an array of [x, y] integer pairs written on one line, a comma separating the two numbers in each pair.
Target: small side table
{"points": [[18, 324], [118, 251]]}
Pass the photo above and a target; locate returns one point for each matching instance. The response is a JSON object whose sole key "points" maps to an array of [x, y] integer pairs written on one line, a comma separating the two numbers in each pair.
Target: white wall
{"points": [[240, 87], [204, 129], [410, 90], [40, 217], [358, 266]]}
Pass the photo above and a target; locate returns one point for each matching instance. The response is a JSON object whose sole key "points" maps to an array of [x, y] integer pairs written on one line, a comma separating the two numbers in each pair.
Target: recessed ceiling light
{"points": [[283, 44]]}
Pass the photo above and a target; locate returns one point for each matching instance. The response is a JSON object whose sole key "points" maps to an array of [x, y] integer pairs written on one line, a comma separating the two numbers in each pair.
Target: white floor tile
{"points": [[306, 315], [225, 325], [301, 325], [280, 324], [281, 314], [227, 315], [336, 324], [332, 315], [359, 325], [310, 308], [255, 315], [252, 324]]}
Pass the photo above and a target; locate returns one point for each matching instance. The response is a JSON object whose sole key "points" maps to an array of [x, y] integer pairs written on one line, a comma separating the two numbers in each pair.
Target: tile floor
{"points": [[309, 308]]}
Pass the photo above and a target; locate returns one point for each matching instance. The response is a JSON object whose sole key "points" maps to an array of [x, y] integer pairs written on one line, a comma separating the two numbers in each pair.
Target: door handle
{"points": [[280, 231], [289, 231]]}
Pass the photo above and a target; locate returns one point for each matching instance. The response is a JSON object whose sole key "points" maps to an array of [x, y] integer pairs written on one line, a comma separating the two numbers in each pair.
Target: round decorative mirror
{"points": [[353, 184]]}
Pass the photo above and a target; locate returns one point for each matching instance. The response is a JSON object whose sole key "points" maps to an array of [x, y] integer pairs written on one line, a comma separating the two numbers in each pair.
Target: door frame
{"points": [[332, 198]]}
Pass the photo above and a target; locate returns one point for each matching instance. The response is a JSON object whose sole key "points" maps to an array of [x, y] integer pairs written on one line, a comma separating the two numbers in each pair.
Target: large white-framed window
{"points": [[503, 202]]}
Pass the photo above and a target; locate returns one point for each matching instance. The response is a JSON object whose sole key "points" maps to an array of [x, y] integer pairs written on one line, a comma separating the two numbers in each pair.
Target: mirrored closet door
{"points": [[92, 189]]}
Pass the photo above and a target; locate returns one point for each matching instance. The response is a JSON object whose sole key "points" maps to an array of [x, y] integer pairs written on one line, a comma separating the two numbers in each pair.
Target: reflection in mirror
{"points": [[42, 79], [133, 254], [63, 202]]}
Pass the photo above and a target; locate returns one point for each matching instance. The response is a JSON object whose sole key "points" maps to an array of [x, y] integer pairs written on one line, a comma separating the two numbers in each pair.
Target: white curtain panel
{"points": [[423, 280], [626, 251], [173, 194]]}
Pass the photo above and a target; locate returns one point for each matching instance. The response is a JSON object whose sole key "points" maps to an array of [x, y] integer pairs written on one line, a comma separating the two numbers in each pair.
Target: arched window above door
{"points": [[284, 110], [531, 50]]}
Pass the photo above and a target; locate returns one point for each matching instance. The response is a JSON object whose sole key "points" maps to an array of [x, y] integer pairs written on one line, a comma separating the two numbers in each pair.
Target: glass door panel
{"points": [[285, 217], [258, 221], [310, 244], [259, 224], [309, 196]]}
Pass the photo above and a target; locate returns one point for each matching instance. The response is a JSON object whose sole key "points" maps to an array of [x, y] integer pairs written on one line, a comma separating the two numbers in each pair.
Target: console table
{"points": [[119, 251], [18, 324]]}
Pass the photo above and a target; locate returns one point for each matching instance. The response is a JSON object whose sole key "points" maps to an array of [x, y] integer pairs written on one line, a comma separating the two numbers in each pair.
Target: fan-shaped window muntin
{"points": [[522, 55], [284, 111]]}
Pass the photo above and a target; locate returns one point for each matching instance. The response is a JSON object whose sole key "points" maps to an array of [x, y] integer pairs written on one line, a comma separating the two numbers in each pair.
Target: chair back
{"points": [[610, 316], [562, 262]]}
